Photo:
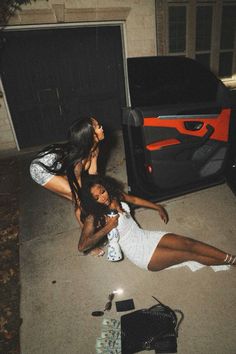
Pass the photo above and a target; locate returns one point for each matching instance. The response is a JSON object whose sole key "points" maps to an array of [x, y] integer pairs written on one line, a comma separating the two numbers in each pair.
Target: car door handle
{"points": [[209, 132], [191, 125]]}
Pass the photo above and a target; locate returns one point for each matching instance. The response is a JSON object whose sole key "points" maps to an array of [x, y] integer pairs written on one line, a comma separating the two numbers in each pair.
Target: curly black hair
{"points": [[89, 206]]}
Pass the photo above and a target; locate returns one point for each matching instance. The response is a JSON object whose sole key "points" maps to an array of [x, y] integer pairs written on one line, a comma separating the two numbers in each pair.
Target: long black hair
{"points": [[89, 206], [77, 148]]}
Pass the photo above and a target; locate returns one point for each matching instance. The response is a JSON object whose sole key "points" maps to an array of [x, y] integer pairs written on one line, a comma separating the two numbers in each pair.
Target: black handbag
{"points": [[155, 328]]}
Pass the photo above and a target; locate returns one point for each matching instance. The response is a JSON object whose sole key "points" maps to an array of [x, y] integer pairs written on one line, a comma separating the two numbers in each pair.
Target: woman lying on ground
{"points": [[152, 250], [58, 167]]}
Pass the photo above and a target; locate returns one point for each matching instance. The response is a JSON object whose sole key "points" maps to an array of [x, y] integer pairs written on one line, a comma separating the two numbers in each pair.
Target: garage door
{"points": [[53, 76]]}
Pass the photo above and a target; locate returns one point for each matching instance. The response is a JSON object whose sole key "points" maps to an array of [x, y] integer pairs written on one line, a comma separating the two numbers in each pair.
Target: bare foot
{"points": [[96, 252]]}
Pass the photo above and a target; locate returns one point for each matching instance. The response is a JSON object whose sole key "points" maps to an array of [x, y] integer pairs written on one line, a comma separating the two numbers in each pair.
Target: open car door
{"points": [[176, 131], [231, 160]]}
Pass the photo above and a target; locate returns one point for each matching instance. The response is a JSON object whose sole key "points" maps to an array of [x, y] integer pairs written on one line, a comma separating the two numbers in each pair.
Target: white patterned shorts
{"points": [[38, 172]]}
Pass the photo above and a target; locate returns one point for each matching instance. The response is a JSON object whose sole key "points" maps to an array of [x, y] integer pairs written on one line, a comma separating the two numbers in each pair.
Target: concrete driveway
{"points": [[60, 289]]}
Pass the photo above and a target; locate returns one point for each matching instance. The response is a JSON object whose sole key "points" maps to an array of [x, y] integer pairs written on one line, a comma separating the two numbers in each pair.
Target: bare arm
{"points": [[93, 165], [90, 236], [78, 170], [147, 204]]}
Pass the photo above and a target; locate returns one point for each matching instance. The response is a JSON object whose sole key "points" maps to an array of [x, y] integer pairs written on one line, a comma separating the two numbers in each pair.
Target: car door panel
{"points": [[220, 123], [162, 144], [176, 130], [183, 156]]}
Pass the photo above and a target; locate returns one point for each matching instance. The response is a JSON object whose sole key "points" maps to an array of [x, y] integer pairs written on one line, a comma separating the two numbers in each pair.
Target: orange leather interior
{"points": [[220, 124], [161, 143]]}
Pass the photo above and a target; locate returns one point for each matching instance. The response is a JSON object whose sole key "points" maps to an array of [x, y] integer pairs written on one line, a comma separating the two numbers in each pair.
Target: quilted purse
{"points": [[155, 328]]}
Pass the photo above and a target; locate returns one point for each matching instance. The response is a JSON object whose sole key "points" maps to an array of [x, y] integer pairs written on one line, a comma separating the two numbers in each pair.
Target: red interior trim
{"points": [[220, 124], [161, 143]]}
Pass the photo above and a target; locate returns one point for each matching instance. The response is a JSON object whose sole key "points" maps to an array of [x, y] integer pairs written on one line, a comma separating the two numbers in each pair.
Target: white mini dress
{"points": [[138, 245]]}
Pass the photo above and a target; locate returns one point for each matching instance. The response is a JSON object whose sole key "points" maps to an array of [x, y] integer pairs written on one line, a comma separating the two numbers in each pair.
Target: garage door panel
{"points": [[62, 73]]}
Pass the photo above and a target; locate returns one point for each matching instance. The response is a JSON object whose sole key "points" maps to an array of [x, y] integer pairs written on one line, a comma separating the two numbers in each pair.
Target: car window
{"points": [[157, 81]]}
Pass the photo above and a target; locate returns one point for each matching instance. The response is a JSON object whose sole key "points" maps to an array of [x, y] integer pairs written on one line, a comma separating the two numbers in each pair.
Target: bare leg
{"points": [[59, 185], [183, 243], [77, 214], [166, 257], [174, 249]]}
